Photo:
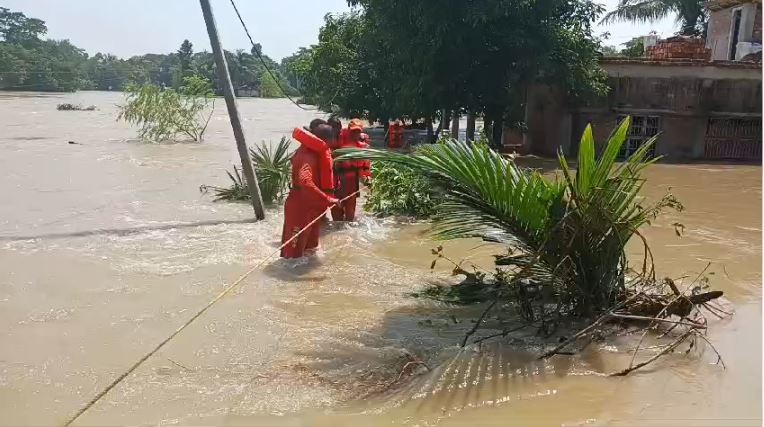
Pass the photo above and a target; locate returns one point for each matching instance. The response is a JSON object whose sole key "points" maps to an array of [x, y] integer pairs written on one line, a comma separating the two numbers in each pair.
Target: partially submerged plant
{"points": [[273, 168], [399, 190], [568, 233], [165, 114], [236, 192], [565, 239]]}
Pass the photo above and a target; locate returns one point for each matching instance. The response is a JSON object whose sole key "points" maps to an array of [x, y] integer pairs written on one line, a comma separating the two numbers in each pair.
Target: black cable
{"points": [[257, 53]]}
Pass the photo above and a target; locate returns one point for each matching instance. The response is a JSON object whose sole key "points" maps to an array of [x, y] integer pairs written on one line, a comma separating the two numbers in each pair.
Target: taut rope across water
{"points": [[212, 302]]}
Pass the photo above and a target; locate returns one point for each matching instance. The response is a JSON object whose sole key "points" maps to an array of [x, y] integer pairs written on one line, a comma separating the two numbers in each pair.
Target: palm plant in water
{"points": [[565, 236], [273, 168]]}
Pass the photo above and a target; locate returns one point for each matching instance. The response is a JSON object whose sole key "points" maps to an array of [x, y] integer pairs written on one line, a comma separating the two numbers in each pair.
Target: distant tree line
{"points": [[29, 62], [633, 48]]}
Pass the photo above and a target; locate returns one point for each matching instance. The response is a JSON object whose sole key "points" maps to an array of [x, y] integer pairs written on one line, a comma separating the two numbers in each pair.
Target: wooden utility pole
{"points": [[233, 112]]}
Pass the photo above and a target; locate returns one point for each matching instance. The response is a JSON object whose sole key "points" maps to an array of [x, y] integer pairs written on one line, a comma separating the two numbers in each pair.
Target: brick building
{"points": [[703, 105], [679, 47], [734, 29]]}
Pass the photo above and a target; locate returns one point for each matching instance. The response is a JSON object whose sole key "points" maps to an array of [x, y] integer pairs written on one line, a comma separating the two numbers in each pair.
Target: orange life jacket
{"points": [[317, 145], [361, 167]]}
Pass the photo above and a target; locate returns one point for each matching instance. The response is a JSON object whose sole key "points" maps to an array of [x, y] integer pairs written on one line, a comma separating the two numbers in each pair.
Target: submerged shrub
{"points": [[398, 190], [165, 114]]}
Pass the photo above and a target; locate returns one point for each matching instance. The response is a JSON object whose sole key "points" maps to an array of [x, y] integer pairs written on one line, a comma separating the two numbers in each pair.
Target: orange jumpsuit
{"points": [[395, 135], [306, 201]]}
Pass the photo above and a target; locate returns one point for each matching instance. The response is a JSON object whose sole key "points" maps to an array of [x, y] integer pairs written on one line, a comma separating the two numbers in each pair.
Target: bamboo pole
{"points": [[233, 112]]}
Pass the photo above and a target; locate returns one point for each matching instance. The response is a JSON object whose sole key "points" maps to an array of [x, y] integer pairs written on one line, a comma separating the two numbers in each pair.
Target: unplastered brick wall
{"points": [[679, 47]]}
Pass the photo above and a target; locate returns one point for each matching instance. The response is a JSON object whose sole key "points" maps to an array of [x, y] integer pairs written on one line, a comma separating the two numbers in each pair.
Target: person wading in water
{"points": [[311, 189], [347, 173]]}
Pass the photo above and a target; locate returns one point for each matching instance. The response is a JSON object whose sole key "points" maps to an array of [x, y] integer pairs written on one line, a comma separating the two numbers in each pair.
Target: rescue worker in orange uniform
{"points": [[311, 190], [334, 143], [395, 134], [348, 173]]}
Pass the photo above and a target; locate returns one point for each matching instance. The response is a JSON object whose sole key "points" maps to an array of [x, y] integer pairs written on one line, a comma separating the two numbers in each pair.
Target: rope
{"points": [[223, 293], [257, 53]]}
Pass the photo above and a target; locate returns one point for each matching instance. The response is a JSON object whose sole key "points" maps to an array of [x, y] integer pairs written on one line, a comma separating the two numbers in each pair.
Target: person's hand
{"points": [[333, 201], [366, 181]]}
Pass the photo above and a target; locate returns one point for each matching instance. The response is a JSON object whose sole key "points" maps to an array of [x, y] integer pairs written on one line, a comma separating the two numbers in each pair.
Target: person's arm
{"points": [[306, 183]]}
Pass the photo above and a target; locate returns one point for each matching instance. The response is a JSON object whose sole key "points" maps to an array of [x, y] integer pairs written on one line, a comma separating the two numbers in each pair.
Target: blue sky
{"points": [[133, 27]]}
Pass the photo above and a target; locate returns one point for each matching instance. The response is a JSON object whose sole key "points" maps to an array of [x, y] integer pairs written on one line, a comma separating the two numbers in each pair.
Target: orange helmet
{"points": [[355, 124]]}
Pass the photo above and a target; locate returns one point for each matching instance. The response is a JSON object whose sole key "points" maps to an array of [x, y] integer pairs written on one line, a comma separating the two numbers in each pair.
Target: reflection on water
{"points": [[107, 246]]}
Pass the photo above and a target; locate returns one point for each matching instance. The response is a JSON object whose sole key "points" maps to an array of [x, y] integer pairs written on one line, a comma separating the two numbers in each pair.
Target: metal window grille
{"points": [[733, 138], [642, 129]]}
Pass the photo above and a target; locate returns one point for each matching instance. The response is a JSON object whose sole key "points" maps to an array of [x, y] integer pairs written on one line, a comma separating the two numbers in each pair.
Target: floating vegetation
{"points": [[74, 107]]}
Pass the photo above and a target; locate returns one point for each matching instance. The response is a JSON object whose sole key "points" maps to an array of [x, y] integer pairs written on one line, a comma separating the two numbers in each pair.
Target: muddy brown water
{"points": [[107, 246]]}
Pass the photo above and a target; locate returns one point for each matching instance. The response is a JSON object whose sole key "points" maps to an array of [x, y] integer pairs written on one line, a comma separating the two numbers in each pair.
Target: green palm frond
{"points": [[273, 168], [572, 230], [690, 13], [640, 11], [485, 195]]}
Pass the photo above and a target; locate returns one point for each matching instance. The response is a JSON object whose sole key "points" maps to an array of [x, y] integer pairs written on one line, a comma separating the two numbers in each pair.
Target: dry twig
{"points": [[669, 348]]}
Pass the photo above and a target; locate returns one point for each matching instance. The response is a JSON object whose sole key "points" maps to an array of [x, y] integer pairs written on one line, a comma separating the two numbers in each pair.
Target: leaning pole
{"points": [[233, 112]]}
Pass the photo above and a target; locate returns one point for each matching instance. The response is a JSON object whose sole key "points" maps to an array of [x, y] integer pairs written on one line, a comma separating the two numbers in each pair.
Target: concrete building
{"points": [[702, 108], [734, 29]]}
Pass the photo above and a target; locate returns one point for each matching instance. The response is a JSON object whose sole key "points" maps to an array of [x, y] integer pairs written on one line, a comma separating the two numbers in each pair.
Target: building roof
{"points": [[724, 4], [679, 62]]}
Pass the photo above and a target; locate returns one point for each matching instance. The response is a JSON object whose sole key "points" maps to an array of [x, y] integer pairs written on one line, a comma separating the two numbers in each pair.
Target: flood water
{"points": [[107, 246]]}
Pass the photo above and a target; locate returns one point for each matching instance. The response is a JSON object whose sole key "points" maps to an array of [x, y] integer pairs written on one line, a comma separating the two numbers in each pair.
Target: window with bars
{"points": [[642, 129]]}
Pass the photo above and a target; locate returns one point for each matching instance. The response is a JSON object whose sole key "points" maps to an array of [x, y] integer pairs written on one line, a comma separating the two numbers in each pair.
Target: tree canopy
{"points": [[633, 48], [413, 58]]}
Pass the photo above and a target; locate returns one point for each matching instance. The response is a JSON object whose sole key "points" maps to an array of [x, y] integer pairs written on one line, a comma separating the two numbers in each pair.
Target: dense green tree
{"points": [[290, 67], [634, 48], [27, 62], [335, 64], [297, 69], [268, 86], [185, 53], [610, 51], [17, 28], [416, 58]]}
